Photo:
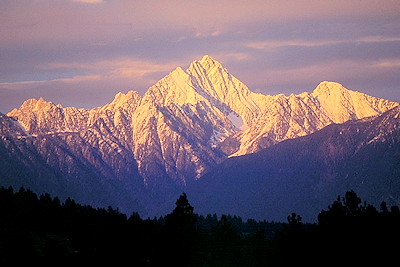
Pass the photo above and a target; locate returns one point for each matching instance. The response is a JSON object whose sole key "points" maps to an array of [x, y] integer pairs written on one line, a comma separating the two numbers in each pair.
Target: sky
{"points": [[82, 52]]}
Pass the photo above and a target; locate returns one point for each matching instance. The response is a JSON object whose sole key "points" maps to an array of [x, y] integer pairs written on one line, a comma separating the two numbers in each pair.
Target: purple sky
{"points": [[81, 53]]}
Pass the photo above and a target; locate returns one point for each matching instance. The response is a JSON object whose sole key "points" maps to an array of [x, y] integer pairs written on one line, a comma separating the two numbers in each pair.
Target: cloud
{"points": [[378, 39], [101, 78], [269, 44], [51, 46], [71, 80], [101, 70], [389, 63], [282, 43], [89, 1], [231, 57], [207, 34], [114, 68], [61, 22], [375, 78]]}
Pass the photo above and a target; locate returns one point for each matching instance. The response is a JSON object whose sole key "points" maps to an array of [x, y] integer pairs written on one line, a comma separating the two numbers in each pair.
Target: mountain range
{"points": [[139, 152], [304, 174]]}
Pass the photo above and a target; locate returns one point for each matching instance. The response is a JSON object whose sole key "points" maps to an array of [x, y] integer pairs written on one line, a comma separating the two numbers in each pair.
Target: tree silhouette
{"points": [[352, 203], [183, 207], [43, 230], [383, 207], [180, 234], [364, 233], [225, 244], [294, 219], [182, 216]]}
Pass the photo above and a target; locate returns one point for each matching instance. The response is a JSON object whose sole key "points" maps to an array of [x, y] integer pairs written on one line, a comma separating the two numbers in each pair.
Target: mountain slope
{"points": [[305, 174], [66, 165]]}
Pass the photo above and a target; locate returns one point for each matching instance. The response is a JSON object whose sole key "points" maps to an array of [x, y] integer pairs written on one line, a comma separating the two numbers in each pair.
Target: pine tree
{"points": [[183, 215]]}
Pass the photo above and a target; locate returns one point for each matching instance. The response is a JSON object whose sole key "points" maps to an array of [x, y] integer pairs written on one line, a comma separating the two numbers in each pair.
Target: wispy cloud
{"points": [[73, 79], [389, 63], [282, 43], [378, 39], [102, 70], [268, 44], [49, 46], [119, 67], [214, 33], [89, 1], [232, 57]]}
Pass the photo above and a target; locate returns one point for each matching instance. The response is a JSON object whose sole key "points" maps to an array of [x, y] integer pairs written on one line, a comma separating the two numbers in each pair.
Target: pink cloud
{"points": [[89, 1], [132, 44], [118, 67], [61, 21], [269, 44]]}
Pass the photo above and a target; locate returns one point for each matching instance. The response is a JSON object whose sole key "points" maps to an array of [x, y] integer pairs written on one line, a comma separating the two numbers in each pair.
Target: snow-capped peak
{"points": [[207, 66], [328, 86], [341, 104], [332, 90], [208, 62], [206, 58], [121, 100]]}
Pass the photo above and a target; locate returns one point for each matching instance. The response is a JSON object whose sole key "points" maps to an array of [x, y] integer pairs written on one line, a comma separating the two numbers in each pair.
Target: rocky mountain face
{"points": [[287, 117], [181, 128], [305, 174], [70, 164]]}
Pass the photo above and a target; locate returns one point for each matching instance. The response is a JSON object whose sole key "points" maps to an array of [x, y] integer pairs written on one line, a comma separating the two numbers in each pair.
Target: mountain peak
{"points": [[207, 59], [178, 72], [35, 104], [208, 63], [122, 99], [326, 87], [341, 104]]}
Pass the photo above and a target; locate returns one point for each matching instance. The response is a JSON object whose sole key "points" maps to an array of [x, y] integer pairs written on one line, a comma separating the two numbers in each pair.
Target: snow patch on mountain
{"points": [[236, 120]]}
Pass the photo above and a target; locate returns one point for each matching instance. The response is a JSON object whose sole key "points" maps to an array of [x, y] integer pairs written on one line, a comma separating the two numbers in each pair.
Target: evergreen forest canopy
{"points": [[42, 230]]}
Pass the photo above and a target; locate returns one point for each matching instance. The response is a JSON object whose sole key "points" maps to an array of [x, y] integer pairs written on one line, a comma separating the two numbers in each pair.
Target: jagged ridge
{"points": [[181, 127]]}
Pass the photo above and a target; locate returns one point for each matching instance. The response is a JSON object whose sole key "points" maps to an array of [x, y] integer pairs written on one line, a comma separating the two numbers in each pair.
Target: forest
{"points": [[40, 229]]}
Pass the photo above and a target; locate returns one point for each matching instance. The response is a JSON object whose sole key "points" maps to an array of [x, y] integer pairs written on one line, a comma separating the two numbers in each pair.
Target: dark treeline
{"points": [[42, 230]]}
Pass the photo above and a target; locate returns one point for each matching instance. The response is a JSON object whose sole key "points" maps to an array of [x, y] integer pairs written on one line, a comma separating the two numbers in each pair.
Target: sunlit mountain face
{"points": [[140, 151]]}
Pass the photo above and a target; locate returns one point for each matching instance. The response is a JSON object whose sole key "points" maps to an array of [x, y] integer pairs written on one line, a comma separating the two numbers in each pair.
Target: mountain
{"points": [[154, 146], [67, 165], [303, 175], [287, 117]]}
